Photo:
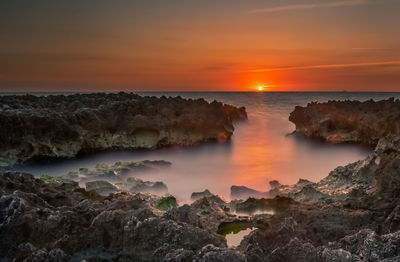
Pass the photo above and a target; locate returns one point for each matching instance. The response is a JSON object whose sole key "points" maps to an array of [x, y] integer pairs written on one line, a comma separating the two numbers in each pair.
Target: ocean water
{"points": [[259, 151]]}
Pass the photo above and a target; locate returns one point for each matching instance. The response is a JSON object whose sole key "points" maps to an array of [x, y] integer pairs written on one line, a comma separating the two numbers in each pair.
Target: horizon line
{"points": [[195, 91]]}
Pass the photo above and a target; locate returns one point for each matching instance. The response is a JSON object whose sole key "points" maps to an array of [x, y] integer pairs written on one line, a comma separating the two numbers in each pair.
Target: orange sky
{"points": [[285, 45]]}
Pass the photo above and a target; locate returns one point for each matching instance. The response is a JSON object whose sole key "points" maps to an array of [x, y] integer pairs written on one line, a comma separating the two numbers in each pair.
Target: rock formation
{"points": [[48, 221], [58, 126], [349, 121], [198, 195], [243, 192], [351, 215]]}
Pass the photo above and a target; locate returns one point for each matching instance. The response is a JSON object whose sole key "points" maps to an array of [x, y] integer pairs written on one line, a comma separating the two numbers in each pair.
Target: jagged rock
{"points": [[78, 225], [152, 239], [206, 213], [289, 242], [59, 126], [342, 180], [309, 194], [369, 246], [351, 215], [392, 222], [349, 121], [198, 195], [261, 243], [242, 192]]}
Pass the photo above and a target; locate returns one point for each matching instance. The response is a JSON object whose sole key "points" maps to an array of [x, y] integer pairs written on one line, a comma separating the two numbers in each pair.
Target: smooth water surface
{"points": [[260, 149], [234, 239]]}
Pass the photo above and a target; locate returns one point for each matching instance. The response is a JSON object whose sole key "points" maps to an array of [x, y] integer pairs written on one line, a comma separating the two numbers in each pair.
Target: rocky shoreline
{"points": [[351, 215], [62, 126], [349, 121]]}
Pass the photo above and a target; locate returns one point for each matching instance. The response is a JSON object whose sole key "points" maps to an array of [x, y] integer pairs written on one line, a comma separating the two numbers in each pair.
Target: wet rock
{"points": [[102, 187], [46, 127], [107, 179], [138, 185], [274, 205], [240, 223], [60, 182], [117, 172]]}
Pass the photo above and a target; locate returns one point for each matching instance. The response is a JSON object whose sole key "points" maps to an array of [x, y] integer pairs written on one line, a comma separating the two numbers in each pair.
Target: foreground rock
{"points": [[59, 126], [48, 221], [349, 121], [351, 215]]}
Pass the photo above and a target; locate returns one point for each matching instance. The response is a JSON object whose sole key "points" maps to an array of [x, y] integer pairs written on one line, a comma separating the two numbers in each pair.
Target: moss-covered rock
{"points": [[166, 202]]}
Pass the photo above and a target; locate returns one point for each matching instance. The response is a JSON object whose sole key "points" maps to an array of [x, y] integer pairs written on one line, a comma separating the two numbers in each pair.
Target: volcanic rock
{"points": [[349, 121], [61, 126], [45, 221]]}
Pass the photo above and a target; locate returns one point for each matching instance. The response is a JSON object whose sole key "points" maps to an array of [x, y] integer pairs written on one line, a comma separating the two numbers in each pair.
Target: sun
{"points": [[260, 88]]}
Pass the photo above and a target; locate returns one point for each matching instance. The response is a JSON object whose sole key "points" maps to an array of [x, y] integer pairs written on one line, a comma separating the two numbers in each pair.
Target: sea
{"points": [[260, 150]]}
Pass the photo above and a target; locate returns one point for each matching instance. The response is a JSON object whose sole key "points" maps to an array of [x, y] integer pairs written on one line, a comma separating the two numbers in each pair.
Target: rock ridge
{"points": [[62, 126]]}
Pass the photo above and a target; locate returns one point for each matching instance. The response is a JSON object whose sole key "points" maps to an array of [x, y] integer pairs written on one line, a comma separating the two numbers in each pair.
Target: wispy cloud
{"points": [[319, 4], [366, 64]]}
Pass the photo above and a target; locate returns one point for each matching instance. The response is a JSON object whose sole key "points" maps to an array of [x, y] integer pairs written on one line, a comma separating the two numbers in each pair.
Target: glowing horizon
{"points": [[290, 45]]}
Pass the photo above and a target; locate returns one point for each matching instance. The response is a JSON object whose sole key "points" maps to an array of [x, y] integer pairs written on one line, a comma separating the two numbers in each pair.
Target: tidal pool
{"points": [[233, 239]]}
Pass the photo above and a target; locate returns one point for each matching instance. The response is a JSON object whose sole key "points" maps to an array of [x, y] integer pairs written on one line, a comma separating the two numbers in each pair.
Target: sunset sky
{"points": [[203, 45]]}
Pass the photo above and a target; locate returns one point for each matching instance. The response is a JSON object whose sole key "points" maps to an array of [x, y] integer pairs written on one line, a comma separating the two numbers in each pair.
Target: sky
{"points": [[199, 45]]}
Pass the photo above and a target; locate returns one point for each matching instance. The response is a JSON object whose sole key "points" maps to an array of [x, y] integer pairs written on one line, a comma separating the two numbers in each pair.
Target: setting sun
{"points": [[260, 88]]}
